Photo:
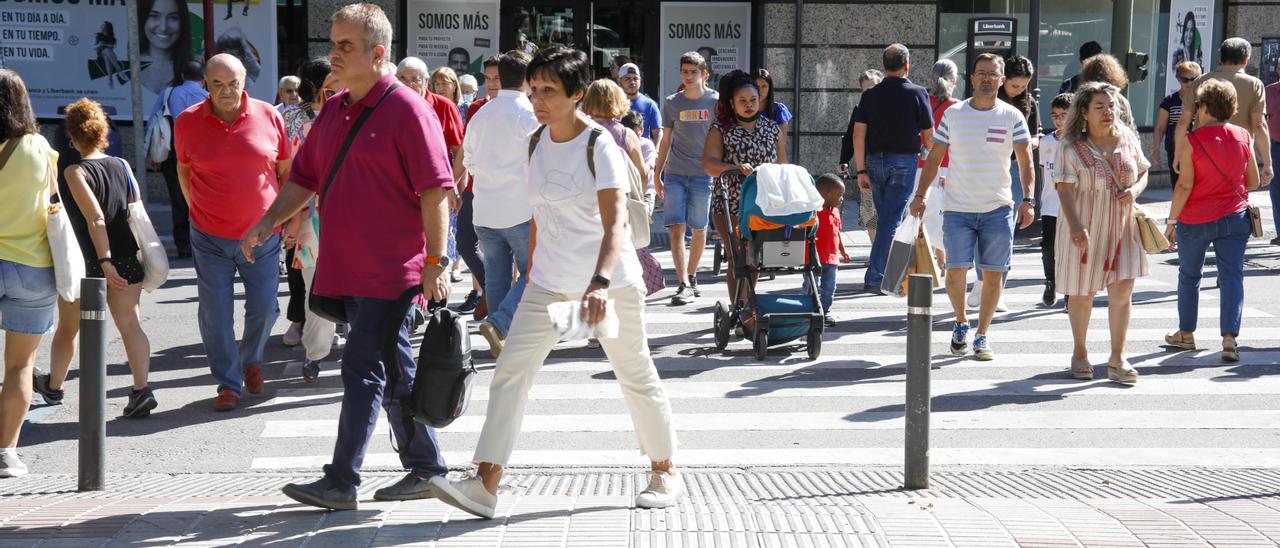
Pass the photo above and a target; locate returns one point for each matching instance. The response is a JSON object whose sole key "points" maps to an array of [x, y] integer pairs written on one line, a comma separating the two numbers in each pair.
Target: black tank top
{"points": [[110, 183]]}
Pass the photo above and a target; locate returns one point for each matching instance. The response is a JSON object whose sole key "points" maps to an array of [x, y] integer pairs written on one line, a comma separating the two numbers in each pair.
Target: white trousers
{"points": [[528, 343], [317, 332]]}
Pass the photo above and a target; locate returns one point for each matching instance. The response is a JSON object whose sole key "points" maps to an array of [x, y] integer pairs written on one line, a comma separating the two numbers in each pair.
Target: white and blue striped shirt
{"points": [[981, 143]]}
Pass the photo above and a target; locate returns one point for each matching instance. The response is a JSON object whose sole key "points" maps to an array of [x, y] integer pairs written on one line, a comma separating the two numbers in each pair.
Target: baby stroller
{"points": [[765, 244]]}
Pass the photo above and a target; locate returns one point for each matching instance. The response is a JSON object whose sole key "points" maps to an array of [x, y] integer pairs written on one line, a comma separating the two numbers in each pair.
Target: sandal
{"points": [[1081, 369], [310, 371], [1181, 339], [1230, 354], [1122, 373]]}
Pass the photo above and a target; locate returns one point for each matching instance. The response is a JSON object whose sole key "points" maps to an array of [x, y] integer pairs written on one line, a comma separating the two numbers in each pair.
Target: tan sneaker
{"points": [[490, 333], [664, 490]]}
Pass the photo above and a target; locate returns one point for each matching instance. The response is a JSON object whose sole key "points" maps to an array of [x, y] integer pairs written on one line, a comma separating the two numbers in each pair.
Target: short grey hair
{"points": [[1234, 51], [896, 57], [468, 83], [871, 75], [290, 80], [414, 64], [942, 81], [377, 28]]}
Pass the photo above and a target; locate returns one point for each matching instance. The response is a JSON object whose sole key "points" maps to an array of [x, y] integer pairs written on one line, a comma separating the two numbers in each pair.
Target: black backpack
{"points": [[442, 384]]}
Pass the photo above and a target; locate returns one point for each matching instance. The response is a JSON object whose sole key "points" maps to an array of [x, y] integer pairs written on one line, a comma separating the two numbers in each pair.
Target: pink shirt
{"points": [[1220, 155], [233, 167], [1273, 112], [371, 242]]}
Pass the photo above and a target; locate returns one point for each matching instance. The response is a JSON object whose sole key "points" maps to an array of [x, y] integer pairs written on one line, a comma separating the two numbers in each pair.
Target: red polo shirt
{"points": [[371, 242], [233, 167], [450, 120]]}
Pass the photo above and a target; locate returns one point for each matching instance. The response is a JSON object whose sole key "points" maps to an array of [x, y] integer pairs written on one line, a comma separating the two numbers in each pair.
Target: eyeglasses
{"points": [[983, 75], [1186, 80]]}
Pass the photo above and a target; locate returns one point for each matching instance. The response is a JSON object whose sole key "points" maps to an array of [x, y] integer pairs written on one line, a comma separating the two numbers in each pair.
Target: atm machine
{"points": [[998, 35]]}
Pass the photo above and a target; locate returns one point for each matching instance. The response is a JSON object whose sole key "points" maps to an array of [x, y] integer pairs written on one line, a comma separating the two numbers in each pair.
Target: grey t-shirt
{"points": [[690, 119]]}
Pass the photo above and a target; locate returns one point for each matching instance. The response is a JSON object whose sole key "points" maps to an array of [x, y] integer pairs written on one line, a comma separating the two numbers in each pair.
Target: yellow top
{"points": [[24, 202]]}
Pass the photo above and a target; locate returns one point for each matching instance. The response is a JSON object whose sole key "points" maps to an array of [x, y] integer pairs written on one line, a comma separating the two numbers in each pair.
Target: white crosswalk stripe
{"points": [[1188, 409]]}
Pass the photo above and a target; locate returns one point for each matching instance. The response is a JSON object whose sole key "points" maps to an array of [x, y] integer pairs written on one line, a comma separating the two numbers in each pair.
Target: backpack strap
{"points": [[533, 139], [591, 149]]}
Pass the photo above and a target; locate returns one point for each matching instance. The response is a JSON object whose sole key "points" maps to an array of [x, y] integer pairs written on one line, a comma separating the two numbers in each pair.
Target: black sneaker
{"points": [[141, 402], [470, 303], [683, 296], [828, 320], [40, 382], [693, 285], [1050, 297]]}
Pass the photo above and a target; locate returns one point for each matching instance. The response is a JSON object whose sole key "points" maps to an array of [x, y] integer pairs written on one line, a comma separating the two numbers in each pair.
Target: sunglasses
{"points": [[1186, 80]]}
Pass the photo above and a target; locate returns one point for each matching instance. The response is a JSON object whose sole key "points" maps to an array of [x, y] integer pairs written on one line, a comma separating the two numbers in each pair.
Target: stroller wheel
{"points": [[762, 344], [722, 326], [814, 344]]}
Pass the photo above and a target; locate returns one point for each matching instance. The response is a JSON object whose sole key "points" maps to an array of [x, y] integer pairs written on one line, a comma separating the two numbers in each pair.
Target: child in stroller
{"points": [[780, 244]]}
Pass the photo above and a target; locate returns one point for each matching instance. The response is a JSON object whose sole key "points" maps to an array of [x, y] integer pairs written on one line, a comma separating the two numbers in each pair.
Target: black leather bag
{"points": [[443, 382], [331, 308]]}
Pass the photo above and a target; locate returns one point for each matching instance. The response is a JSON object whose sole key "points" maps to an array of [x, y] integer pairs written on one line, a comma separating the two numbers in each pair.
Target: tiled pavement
{"points": [[725, 508]]}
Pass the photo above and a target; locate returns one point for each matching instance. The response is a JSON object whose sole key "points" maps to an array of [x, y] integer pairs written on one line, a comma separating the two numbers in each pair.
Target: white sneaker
{"points": [[10, 465], [975, 297], [663, 491], [1000, 306], [468, 495]]}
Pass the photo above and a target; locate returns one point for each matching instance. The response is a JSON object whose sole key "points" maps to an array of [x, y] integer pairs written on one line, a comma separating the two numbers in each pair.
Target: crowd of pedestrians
{"points": [[368, 177]]}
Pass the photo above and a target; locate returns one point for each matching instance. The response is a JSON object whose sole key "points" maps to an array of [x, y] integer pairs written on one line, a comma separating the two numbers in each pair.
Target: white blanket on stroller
{"points": [[785, 189]]}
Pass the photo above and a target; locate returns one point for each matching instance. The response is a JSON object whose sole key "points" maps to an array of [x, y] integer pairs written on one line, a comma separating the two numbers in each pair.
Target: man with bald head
{"points": [[232, 153]]}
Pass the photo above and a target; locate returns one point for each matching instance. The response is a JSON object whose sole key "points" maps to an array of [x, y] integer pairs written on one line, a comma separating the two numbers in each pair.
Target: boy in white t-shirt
{"points": [[1049, 197]]}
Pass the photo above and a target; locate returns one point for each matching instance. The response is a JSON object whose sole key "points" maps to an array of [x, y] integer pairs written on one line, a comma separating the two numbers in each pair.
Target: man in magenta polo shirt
{"points": [[232, 152], [384, 224]]}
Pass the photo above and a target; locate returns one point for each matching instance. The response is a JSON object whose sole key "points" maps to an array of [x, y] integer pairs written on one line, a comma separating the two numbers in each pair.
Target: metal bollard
{"points": [[93, 384], [919, 339]]}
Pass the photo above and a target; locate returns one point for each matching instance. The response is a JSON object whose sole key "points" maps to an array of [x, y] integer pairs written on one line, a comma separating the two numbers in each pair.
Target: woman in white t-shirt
{"points": [[577, 186]]}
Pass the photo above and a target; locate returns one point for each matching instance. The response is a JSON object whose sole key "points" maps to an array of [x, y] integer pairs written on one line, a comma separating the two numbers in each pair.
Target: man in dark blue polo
{"points": [[892, 119]]}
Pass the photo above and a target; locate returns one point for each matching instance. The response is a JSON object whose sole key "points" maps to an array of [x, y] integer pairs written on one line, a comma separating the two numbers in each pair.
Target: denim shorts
{"points": [[28, 298], [981, 236], [686, 200]]}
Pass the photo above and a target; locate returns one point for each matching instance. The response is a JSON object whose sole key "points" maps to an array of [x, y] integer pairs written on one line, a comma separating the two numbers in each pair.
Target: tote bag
{"points": [[68, 261], [155, 261]]}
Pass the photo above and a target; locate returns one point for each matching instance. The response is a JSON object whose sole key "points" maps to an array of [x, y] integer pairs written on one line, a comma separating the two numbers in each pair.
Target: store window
{"points": [[1064, 25]]}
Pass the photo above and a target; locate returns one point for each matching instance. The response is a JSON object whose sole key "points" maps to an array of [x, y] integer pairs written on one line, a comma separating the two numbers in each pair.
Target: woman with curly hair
{"points": [[741, 139], [1107, 69]]}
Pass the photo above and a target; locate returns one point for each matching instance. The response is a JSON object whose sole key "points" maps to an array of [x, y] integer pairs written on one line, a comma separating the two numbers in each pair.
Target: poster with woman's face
{"points": [[1190, 33], [71, 50]]}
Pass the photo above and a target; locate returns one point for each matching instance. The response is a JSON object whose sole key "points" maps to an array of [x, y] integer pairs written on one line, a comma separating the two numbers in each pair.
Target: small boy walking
{"points": [[831, 251], [1049, 203]]}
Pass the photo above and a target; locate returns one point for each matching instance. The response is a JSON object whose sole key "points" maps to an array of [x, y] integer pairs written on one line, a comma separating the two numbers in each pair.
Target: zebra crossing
{"points": [[845, 408]]}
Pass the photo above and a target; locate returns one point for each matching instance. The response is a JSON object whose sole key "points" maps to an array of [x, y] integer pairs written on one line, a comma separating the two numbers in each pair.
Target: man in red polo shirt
{"points": [[384, 224], [232, 151]]}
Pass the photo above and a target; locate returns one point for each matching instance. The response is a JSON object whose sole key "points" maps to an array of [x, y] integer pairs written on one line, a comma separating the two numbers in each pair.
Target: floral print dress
{"points": [[744, 146]]}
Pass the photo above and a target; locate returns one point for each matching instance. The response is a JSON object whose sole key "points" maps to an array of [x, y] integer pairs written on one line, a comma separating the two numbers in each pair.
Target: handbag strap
{"points": [[165, 107], [1191, 135], [9, 147], [135, 192], [1111, 174], [351, 137]]}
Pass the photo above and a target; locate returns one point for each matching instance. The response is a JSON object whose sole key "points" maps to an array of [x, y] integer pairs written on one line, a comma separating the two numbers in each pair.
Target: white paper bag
{"points": [[566, 319]]}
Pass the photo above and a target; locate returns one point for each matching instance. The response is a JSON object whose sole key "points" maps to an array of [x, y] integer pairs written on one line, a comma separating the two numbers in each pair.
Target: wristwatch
{"points": [[601, 280], [1029, 200], [442, 260]]}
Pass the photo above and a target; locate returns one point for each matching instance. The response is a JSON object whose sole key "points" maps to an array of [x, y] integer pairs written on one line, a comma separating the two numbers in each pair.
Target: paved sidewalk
{"points": [[725, 508]]}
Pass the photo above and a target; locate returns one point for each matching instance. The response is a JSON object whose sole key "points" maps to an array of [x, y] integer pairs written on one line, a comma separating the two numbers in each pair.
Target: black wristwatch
{"points": [[104, 260], [1031, 201], [600, 280], [861, 172]]}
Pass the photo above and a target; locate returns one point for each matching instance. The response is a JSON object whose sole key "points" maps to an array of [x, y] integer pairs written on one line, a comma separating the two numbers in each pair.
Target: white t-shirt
{"points": [[494, 152], [567, 213], [1049, 202], [981, 143]]}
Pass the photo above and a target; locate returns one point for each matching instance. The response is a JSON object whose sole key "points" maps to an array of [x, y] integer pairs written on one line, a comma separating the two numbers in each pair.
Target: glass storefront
{"points": [[1065, 25], [617, 29]]}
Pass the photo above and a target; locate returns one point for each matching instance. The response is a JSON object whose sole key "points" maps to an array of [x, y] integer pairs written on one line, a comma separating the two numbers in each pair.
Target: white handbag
{"points": [[68, 261], [160, 131], [155, 261]]}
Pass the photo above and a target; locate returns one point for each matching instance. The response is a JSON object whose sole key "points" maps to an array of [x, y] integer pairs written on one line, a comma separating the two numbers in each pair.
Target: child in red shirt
{"points": [[831, 251]]}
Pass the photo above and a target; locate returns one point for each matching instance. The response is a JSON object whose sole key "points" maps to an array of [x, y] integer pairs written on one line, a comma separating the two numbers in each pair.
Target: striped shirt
{"points": [[981, 143]]}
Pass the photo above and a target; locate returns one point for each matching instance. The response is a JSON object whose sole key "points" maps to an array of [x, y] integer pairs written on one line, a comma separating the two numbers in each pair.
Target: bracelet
{"points": [[105, 260], [861, 172], [921, 196]]}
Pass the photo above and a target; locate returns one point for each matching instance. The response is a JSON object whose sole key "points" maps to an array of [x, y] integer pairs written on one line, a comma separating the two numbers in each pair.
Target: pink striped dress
{"points": [[1115, 253]]}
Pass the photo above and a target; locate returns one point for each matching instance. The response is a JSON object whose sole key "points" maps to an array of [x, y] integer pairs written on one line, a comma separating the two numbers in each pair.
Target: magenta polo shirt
{"points": [[371, 240]]}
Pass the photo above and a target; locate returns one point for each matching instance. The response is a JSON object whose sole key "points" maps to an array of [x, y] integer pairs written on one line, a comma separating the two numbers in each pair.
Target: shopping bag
{"points": [[155, 261], [924, 261], [654, 281], [68, 262], [901, 254]]}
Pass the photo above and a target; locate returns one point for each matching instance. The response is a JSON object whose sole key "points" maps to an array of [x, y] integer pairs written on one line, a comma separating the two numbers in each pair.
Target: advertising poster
{"points": [[458, 34], [721, 32], [1270, 61], [1190, 37], [70, 50]]}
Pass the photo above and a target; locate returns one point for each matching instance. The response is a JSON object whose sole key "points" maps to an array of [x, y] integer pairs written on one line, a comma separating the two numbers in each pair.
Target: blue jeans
{"points": [[978, 238], [502, 247], [1229, 235], [217, 262], [467, 241], [1018, 195], [28, 298], [364, 381], [826, 286], [1275, 183], [892, 176]]}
